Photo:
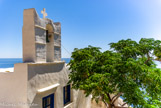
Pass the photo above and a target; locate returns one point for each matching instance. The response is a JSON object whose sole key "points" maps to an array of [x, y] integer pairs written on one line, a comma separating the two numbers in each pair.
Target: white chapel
{"points": [[41, 80]]}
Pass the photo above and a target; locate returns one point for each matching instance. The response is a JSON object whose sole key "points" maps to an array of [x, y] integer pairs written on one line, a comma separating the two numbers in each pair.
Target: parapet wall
{"points": [[13, 93]]}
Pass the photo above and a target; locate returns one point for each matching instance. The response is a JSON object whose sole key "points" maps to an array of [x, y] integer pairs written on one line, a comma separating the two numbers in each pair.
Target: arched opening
{"points": [[49, 43]]}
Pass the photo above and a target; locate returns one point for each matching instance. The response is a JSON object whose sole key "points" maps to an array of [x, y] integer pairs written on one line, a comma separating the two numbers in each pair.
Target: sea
{"points": [[9, 62]]}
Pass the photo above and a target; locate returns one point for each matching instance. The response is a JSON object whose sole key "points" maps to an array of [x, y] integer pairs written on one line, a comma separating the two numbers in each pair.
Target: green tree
{"points": [[127, 70]]}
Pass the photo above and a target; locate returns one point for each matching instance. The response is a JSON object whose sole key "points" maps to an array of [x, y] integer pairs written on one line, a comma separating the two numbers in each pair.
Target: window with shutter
{"points": [[48, 101], [67, 94]]}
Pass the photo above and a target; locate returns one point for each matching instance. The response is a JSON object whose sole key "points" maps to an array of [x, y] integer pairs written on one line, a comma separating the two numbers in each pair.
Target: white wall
{"points": [[13, 88], [41, 75], [21, 87]]}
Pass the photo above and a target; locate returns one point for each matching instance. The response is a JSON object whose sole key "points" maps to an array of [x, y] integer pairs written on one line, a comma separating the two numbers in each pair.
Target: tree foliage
{"points": [[127, 70]]}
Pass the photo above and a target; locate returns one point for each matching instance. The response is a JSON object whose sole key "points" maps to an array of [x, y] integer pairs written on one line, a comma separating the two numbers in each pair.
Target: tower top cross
{"points": [[44, 13]]}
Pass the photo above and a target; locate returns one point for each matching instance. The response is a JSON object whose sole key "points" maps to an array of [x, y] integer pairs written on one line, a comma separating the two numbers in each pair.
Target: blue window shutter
{"points": [[52, 101], [68, 92], [64, 95], [44, 101]]}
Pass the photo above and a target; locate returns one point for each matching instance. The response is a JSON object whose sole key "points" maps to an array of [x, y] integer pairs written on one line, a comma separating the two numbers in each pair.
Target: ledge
{"points": [[46, 29], [45, 63], [57, 45], [48, 88], [68, 105], [40, 43], [57, 33], [40, 27]]}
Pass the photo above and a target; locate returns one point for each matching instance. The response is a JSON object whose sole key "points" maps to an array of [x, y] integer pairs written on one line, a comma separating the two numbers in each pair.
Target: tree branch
{"points": [[114, 96], [120, 107], [105, 103], [123, 104], [113, 101], [109, 97], [147, 59]]}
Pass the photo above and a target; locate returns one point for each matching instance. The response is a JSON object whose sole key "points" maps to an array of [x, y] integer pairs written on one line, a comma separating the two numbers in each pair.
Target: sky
{"points": [[83, 22]]}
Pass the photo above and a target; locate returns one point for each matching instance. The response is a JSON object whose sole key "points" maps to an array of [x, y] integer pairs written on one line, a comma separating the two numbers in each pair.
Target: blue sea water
{"points": [[9, 62]]}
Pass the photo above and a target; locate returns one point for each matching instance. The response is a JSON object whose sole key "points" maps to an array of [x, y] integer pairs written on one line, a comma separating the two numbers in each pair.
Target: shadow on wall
{"points": [[45, 68], [37, 101]]}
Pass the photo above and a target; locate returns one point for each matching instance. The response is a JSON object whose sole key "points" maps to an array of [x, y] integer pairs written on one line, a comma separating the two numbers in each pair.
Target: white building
{"points": [[41, 81]]}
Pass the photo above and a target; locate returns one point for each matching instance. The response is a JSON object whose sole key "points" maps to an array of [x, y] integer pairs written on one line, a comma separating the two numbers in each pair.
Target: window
{"points": [[48, 101], [66, 94]]}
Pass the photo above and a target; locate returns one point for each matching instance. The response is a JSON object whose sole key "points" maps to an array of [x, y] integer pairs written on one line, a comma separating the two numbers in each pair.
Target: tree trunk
{"points": [[110, 106]]}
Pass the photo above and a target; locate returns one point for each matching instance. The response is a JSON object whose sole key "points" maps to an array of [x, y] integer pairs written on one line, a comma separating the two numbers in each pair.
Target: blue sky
{"points": [[84, 22]]}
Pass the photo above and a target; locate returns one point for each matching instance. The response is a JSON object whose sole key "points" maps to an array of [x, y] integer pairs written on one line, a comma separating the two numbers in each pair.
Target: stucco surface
{"points": [[40, 52], [44, 75], [57, 27], [34, 38], [13, 93], [20, 88], [40, 35], [57, 40], [57, 54], [28, 33]]}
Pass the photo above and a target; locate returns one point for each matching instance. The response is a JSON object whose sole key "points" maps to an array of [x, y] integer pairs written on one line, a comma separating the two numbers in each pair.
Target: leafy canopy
{"points": [[127, 70]]}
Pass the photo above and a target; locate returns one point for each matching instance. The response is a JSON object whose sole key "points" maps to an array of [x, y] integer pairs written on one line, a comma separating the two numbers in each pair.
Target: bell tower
{"points": [[41, 38]]}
